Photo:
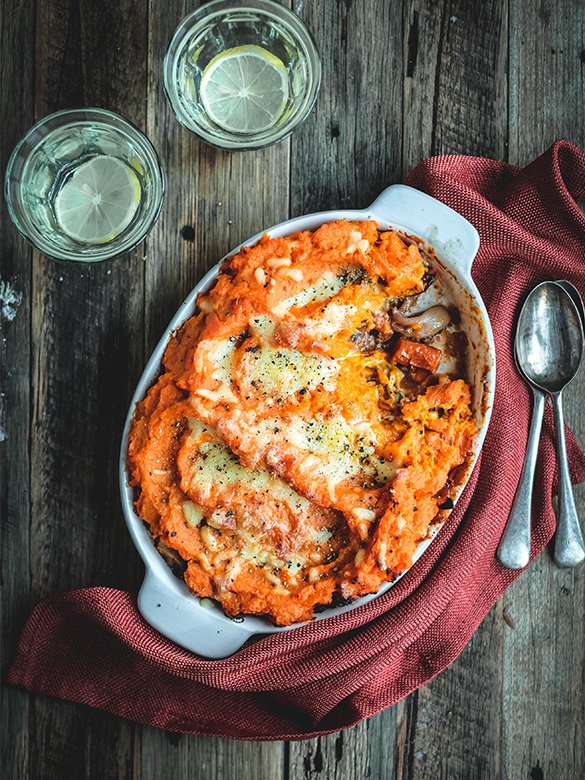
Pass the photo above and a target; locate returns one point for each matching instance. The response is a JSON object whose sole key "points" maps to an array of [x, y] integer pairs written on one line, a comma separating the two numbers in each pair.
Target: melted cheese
{"points": [[330, 448], [217, 468], [326, 287], [221, 356], [357, 243], [193, 514], [254, 549], [262, 326], [281, 372], [223, 393], [331, 320]]}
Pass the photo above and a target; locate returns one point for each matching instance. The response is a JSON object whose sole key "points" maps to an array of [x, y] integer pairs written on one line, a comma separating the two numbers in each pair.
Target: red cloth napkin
{"points": [[92, 646]]}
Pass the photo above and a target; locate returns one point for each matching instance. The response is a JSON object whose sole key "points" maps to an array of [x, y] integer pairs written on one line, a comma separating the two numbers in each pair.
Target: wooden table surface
{"points": [[402, 79]]}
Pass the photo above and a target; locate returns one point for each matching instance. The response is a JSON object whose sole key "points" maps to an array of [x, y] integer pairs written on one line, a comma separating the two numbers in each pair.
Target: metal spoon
{"points": [[548, 350], [575, 297], [569, 546]]}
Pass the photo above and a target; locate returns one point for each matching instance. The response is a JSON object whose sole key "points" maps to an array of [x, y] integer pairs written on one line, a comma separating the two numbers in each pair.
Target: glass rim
{"points": [[35, 135], [212, 10]]}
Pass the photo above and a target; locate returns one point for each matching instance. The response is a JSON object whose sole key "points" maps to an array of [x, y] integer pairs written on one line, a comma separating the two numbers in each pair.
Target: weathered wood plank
{"points": [[455, 101], [544, 651], [78, 742], [16, 111], [350, 147], [87, 322], [455, 85], [451, 727], [87, 330], [364, 751], [543, 697], [346, 153], [215, 200], [184, 757], [547, 61]]}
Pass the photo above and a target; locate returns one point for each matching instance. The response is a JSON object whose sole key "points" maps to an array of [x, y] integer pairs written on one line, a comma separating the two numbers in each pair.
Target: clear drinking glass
{"points": [[242, 74], [84, 185]]}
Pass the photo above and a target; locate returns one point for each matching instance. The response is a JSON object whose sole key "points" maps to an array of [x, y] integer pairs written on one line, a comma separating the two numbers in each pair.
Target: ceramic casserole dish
{"points": [[165, 601]]}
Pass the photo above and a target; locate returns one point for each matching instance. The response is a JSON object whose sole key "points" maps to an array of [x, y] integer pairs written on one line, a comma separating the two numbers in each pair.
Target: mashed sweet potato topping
{"points": [[295, 449]]}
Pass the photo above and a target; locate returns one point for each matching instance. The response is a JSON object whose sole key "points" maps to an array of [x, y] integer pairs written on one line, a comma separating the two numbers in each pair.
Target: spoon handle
{"points": [[569, 546], [514, 549]]}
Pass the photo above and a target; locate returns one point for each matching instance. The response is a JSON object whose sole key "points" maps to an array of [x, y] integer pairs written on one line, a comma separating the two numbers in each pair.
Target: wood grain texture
{"points": [[206, 758], [87, 336], [544, 649], [458, 709], [455, 82], [349, 149], [547, 67], [16, 111], [364, 751]]}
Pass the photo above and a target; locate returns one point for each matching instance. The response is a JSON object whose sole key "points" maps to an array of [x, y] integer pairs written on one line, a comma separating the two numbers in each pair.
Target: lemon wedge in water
{"points": [[98, 201], [244, 89]]}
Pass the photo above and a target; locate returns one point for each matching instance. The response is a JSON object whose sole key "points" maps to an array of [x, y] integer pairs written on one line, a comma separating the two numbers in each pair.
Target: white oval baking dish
{"points": [[165, 601]]}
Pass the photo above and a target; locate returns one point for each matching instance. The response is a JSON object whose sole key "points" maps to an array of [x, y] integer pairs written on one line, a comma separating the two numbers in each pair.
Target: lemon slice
{"points": [[98, 201], [244, 89]]}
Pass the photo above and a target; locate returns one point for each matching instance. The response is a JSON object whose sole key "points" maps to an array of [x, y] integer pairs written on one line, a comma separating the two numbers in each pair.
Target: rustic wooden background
{"points": [[402, 79]]}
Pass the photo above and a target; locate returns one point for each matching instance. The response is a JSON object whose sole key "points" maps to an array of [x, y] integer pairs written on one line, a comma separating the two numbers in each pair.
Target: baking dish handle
{"points": [[421, 215], [172, 610]]}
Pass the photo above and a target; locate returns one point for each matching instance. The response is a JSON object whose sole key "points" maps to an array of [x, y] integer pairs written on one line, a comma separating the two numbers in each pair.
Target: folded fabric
{"points": [[92, 646]]}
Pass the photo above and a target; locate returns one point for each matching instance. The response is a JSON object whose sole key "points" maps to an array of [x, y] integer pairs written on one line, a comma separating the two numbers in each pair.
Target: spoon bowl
{"points": [[549, 338]]}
